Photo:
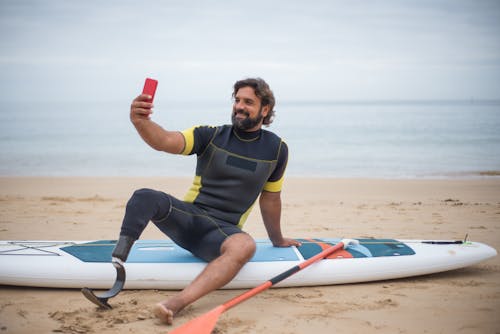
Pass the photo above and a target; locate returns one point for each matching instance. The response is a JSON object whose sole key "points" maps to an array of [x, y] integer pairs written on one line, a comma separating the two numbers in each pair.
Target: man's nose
{"points": [[239, 105]]}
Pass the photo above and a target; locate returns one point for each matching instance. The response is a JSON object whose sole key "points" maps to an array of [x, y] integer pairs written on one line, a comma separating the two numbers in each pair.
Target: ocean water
{"points": [[381, 139]]}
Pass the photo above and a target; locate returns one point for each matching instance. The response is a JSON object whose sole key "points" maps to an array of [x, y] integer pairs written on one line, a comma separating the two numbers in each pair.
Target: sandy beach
{"points": [[461, 301]]}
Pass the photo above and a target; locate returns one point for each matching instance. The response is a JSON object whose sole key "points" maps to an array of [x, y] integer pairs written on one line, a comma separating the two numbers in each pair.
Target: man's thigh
{"points": [[191, 228]]}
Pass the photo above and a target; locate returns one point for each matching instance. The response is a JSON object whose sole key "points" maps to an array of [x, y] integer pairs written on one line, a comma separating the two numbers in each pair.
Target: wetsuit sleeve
{"points": [[197, 139], [275, 181]]}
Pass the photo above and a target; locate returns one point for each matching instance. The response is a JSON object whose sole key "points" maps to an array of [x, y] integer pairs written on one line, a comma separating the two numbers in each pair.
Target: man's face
{"points": [[248, 112]]}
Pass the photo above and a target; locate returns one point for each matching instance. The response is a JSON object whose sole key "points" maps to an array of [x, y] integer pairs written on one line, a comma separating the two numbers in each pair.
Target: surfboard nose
{"points": [[491, 252]]}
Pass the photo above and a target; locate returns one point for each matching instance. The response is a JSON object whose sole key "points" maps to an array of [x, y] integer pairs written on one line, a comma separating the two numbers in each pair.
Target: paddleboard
{"points": [[161, 264]]}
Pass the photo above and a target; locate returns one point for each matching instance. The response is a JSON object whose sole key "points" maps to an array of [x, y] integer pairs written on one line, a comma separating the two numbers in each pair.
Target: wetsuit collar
{"points": [[244, 135]]}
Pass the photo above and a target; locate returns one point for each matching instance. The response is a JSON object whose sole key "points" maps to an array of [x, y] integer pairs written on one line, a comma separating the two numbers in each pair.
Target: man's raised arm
{"points": [[152, 133]]}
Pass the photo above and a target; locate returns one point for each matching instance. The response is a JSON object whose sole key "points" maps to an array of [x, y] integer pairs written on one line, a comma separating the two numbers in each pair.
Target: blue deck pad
{"points": [[267, 252], [386, 247], [165, 251], [366, 248], [97, 251]]}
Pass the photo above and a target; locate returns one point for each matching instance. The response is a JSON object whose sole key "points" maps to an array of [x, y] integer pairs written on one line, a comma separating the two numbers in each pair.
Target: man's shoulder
{"points": [[267, 134], [206, 127], [203, 129]]}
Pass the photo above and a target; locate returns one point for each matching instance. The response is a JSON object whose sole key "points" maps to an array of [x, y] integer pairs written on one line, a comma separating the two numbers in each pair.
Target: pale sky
{"points": [[306, 50]]}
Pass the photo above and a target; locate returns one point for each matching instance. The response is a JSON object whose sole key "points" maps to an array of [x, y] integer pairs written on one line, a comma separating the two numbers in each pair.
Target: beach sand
{"points": [[461, 301]]}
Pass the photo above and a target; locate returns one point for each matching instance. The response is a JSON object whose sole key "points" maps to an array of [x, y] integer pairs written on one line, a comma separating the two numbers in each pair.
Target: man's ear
{"points": [[265, 110]]}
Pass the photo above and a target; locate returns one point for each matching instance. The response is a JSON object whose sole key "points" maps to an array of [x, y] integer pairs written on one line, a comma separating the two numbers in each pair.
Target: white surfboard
{"points": [[160, 264]]}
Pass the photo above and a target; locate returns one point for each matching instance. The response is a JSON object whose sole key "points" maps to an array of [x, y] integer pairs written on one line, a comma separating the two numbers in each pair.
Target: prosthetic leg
{"points": [[118, 257]]}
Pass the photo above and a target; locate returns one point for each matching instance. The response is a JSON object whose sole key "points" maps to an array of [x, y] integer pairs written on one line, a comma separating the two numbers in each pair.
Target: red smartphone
{"points": [[150, 88]]}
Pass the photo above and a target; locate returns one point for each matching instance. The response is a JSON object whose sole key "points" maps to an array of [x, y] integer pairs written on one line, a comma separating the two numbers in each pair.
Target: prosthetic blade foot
{"points": [[101, 300], [119, 256]]}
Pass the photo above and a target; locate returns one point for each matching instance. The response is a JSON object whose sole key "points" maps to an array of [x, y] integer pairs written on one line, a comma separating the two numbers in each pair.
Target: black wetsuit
{"points": [[233, 168]]}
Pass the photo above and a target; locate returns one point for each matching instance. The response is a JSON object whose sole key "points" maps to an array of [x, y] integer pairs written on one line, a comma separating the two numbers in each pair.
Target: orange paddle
{"points": [[205, 323]]}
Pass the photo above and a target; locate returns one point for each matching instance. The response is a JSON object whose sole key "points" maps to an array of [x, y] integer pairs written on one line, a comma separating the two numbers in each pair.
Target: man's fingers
{"points": [[141, 108], [142, 105], [139, 111], [287, 242], [143, 97]]}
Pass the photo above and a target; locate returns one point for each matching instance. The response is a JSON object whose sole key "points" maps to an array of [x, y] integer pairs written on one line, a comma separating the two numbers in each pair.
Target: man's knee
{"points": [[143, 206], [142, 195], [138, 199], [148, 201], [241, 246]]}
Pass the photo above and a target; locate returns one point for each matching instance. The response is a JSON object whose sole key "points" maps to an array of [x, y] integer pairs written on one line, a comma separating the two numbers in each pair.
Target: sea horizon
{"points": [[365, 138]]}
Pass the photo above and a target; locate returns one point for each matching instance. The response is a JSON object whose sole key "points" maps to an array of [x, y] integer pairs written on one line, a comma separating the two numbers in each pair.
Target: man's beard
{"points": [[248, 122]]}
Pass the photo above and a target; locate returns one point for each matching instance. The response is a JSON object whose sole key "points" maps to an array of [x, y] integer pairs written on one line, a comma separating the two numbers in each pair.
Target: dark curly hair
{"points": [[262, 90]]}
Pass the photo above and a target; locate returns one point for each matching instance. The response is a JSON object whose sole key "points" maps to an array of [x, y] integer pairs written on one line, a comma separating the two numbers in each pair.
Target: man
{"points": [[235, 165]]}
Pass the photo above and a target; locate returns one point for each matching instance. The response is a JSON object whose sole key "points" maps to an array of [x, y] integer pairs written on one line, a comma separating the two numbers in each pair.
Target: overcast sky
{"points": [[306, 50]]}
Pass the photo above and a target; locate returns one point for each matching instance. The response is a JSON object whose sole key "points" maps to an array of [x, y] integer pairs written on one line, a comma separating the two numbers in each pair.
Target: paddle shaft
{"points": [[266, 285]]}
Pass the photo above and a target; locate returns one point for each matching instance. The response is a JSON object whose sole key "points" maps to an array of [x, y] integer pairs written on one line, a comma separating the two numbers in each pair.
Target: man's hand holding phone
{"points": [[141, 108]]}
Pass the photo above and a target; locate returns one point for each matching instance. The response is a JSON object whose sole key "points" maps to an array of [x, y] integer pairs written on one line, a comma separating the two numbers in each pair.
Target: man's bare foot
{"points": [[163, 313]]}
